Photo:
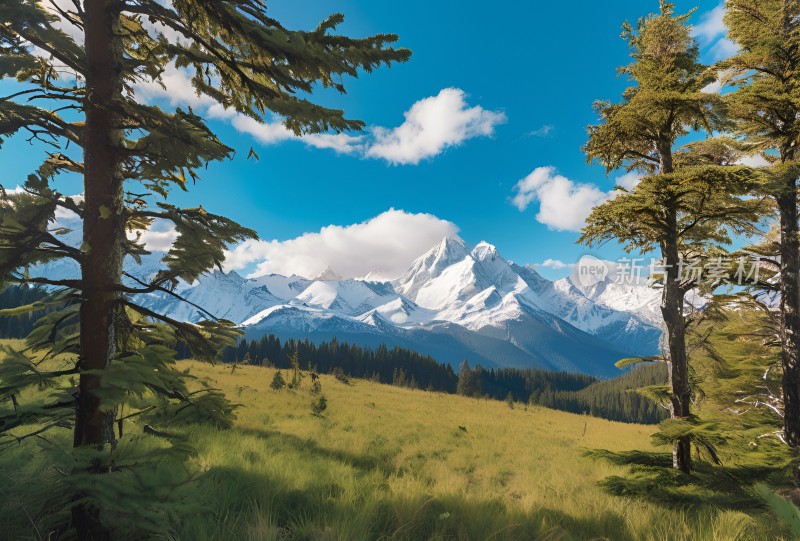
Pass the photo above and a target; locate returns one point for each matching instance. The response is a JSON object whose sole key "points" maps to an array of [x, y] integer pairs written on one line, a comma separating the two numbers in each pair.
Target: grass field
{"points": [[384, 462]]}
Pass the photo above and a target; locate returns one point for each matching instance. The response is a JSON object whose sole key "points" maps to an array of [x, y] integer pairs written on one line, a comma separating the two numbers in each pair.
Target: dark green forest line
{"points": [[572, 392], [14, 296]]}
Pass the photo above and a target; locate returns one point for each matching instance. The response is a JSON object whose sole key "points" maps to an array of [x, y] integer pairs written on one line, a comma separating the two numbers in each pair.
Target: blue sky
{"points": [[527, 74]]}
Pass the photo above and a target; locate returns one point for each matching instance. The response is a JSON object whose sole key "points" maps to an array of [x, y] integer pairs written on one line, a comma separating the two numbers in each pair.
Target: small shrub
{"points": [[339, 374], [278, 382], [319, 405], [316, 388]]}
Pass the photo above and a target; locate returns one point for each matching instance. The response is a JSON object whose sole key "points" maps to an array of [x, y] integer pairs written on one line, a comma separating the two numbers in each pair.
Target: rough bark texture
{"points": [[103, 236], [790, 317], [672, 301], [679, 389]]}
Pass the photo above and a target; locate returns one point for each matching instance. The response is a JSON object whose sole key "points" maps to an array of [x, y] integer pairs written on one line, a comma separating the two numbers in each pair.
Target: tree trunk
{"points": [[679, 389], [103, 237], [680, 392], [790, 314]]}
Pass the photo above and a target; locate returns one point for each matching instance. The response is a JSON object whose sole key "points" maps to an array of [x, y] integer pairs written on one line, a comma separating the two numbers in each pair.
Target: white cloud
{"points": [[159, 237], [384, 245], [66, 214], [711, 31], [543, 131], [564, 204], [629, 180], [176, 89], [555, 264], [753, 160], [432, 125], [269, 133], [712, 88], [62, 23], [711, 25], [724, 48]]}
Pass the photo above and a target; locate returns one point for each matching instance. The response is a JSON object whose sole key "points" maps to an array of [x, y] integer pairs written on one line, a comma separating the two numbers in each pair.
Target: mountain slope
{"points": [[454, 302]]}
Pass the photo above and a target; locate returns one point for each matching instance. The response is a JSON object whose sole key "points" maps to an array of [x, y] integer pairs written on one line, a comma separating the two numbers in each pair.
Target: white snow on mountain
{"points": [[635, 298], [453, 302]]}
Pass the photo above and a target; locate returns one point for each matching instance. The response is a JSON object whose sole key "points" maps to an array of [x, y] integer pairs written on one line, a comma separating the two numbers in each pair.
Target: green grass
{"points": [[384, 462], [392, 463]]}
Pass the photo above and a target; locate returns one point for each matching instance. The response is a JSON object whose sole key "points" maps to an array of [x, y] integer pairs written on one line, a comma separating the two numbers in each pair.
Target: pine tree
{"points": [[77, 96], [297, 377], [468, 384], [766, 107], [278, 382], [688, 203]]}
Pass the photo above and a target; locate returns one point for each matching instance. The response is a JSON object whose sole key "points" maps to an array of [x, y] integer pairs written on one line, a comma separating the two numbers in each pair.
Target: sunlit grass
{"points": [[384, 462], [391, 463]]}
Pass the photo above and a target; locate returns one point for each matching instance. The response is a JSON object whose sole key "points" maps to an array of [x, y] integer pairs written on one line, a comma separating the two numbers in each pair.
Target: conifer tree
{"points": [[297, 377], [688, 199], [766, 107], [77, 65], [278, 382], [468, 383]]}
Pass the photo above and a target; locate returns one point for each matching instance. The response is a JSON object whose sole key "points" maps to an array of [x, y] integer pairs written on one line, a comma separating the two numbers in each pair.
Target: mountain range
{"points": [[455, 302]]}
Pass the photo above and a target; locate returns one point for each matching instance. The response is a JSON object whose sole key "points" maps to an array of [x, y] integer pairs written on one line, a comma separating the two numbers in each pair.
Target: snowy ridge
{"points": [[454, 302]]}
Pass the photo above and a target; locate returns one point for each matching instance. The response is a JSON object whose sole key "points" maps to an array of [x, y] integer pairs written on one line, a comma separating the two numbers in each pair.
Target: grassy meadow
{"points": [[383, 462]]}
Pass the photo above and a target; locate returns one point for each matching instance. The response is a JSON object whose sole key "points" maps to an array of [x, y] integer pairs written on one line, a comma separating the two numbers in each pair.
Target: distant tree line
{"points": [[397, 366], [572, 392], [611, 399], [13, 296]]}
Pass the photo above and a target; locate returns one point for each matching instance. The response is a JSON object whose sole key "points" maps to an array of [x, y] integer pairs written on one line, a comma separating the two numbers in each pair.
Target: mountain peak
{"points": [[452, 240], [450, 249], [328, 275], [484, 251]]}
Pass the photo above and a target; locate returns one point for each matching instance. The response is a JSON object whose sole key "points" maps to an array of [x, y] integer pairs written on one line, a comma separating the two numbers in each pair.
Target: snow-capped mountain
{"points": [[454, 302]]}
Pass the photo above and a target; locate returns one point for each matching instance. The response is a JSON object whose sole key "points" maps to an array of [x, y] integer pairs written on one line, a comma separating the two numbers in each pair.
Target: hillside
{"points": [[577, 393], [393, 463]]}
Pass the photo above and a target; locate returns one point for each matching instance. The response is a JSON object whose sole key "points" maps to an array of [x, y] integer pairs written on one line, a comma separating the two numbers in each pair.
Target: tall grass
{"points": [[384, 462], [392, 463]]}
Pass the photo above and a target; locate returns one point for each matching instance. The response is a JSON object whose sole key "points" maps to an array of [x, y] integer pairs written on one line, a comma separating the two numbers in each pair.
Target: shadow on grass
{"points": [[652, 478], [268, 508], [383, 515], [304, 445]]}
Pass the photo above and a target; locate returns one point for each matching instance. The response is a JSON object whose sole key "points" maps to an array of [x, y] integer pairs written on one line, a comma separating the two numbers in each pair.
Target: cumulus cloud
{"points": [[711, 31], [432, 125], [383, 246], [564, 204], [629, 180], [724, 48], [158, 238], [711, 25], [753, 160], [555, 264]]}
